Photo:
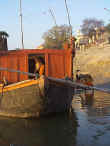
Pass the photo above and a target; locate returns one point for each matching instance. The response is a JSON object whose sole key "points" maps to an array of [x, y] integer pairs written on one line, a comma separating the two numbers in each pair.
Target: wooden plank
{"points": [[56, 65], [23, 66], [12, 63], [47, 65]]}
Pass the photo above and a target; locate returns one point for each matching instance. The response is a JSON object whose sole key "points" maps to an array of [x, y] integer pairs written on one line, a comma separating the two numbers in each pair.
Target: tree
{"points": [[56, 36], [90, 24]]}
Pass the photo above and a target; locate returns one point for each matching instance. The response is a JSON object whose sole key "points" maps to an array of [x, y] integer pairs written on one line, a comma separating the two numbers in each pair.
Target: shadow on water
{"points": [[59, 130]]}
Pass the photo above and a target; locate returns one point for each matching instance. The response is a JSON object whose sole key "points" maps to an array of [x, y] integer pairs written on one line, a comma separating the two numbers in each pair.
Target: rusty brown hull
{"points": [[34, 98]]}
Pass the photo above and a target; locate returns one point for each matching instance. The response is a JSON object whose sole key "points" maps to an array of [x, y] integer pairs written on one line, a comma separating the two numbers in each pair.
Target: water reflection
{"points": [[93, 115], [87, 100], [99, 104], [52, 131], [94, 119]]}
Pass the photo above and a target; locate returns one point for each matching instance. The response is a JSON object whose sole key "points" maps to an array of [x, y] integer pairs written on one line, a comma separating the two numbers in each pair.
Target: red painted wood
{"points": [[58, 63], [12, 63], [47, 64], [3, 62], [23, 66]]}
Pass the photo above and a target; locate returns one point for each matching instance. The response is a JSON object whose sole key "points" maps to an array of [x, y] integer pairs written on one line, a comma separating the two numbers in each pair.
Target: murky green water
{"points": [[88, 125], [52, 131]]}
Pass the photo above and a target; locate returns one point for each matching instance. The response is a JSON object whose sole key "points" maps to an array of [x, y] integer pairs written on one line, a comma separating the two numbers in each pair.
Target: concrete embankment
{"points": [[96, 61]]}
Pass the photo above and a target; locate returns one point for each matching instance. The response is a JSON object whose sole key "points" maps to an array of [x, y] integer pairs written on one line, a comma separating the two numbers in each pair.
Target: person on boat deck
{"points": [[39, 67]]}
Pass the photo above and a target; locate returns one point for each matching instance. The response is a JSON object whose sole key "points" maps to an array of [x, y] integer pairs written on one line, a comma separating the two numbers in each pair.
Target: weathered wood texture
{"points": [[35, 100], [57, 63], [23, 102], [14, 61], [59, 97]]}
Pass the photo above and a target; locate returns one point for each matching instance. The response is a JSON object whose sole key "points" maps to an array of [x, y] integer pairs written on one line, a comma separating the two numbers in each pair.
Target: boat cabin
{"points": [[58, 63]]}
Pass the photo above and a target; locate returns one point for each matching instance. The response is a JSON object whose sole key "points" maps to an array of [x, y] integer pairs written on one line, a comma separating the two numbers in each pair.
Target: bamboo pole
{"points": [[75, 84], [64, 82], [17, 71], [68, 15], [53, 16]]}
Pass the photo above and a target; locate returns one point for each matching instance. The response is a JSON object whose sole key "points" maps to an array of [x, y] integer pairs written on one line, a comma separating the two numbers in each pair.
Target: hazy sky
{"points": [[36, 22]]}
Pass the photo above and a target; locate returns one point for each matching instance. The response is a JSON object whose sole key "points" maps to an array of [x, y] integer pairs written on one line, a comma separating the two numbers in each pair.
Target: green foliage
{"points": [[56, 36]]}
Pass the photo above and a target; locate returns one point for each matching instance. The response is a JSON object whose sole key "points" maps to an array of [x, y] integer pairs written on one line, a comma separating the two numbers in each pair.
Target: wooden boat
{"points": [[32, 98], [26, 97]]}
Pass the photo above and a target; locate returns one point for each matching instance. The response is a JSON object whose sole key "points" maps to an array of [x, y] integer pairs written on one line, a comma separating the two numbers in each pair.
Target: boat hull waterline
{"points": [[35, 98]]}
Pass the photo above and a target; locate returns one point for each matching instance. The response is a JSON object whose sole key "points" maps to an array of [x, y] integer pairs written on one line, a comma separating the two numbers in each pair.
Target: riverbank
{"points": [[96, 61]]}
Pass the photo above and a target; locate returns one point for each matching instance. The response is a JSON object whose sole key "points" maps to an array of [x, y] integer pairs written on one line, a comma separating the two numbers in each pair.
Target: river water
{"points": [[87, 125]]}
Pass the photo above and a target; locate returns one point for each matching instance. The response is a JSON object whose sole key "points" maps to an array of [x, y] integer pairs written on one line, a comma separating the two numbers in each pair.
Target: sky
{"points": [[37, 19]]}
